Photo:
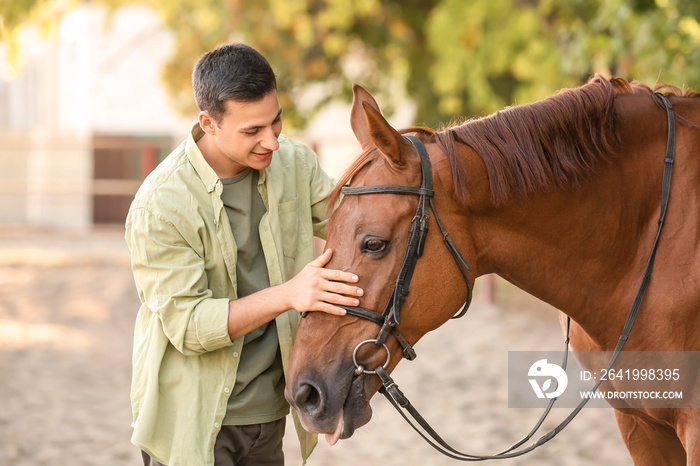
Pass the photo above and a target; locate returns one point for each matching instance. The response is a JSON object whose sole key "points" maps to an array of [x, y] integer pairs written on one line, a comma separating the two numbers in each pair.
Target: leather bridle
{"points": [[391, 317]]}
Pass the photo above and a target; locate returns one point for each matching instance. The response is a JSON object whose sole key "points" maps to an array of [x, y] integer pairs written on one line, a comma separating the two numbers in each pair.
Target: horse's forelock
{"points": [[365, 158], [360, 162]]}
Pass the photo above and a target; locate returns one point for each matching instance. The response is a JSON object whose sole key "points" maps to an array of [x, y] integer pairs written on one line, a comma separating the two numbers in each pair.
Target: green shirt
{"points": [[184, 262], [258, 395]]}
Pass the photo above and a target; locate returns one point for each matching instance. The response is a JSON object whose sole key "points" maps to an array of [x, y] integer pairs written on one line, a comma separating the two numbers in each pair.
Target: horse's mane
{"points": [[528, 148], [554, 142]]}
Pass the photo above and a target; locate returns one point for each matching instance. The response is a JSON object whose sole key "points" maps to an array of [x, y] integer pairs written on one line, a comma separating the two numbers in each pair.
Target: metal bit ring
{"points": [[359, 368]]}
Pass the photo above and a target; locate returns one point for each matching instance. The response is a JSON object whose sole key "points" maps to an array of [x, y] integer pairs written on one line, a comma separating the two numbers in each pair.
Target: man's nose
{"points": [[270, 141]]}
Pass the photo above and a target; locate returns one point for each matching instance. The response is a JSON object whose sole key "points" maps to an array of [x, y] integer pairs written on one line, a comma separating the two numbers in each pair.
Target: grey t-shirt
{"points": [[258, 394]]}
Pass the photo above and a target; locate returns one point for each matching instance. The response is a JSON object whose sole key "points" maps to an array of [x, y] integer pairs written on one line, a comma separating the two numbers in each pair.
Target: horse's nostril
{"points": [[309, 399]]}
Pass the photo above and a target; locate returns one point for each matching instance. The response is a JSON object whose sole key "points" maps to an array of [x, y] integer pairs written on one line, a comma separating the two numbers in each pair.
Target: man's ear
{"points": [[207, 122]]}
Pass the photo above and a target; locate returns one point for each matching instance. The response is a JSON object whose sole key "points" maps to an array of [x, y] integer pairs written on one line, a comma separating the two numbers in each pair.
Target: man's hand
{"points": [[318, 289], [313, 289]]}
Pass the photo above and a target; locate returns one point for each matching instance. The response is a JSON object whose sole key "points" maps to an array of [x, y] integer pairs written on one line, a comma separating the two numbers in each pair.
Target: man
{"points": [[223, 259]]}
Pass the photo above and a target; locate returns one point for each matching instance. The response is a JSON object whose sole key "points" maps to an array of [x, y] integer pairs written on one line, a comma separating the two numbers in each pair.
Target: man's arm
{"points": [[312, 289], [171, 280]]}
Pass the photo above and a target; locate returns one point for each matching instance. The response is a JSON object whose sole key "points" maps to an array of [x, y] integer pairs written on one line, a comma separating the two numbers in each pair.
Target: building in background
{"points": [[87, 118]]}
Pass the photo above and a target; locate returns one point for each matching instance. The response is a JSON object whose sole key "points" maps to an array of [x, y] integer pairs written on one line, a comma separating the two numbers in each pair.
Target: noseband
{"points": [[391, 317]]}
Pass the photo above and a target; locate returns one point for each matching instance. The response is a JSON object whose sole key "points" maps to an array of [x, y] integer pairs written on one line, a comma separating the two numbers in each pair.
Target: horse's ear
{"points": [[358, 120], [385, 137]]}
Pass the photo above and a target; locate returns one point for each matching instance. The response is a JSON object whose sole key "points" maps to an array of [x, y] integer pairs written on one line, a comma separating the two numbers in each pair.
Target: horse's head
{"points": [[369, 235]]}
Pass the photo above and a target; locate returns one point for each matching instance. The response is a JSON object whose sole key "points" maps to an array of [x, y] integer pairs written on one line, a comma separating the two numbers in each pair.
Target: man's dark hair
{"points": [[231, 72]]}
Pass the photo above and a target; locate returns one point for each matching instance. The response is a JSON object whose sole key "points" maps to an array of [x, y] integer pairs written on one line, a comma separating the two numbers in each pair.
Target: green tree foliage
{"points": [[451, 57], [493, 53]]}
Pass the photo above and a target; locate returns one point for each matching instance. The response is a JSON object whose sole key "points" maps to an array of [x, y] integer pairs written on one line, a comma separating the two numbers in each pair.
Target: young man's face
{"points": [[246, 135]]}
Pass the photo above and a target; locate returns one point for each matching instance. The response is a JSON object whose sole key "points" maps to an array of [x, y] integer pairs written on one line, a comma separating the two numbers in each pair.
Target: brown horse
{"points": [[559, 197]]}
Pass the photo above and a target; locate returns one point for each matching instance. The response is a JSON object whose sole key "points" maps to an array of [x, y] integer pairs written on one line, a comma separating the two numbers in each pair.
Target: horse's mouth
{"points": [[355, 412]]}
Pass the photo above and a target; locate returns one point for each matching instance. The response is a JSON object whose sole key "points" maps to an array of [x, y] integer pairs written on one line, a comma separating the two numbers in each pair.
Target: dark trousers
{"points": [[257, 444]]}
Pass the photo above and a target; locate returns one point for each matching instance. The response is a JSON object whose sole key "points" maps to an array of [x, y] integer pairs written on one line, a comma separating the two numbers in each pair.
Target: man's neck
{"points": [[214, 158]]}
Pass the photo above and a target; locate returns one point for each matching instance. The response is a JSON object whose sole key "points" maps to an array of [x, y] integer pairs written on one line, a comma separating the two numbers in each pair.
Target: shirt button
{"points": [[235, 354], [217, 425], [227, 390]]}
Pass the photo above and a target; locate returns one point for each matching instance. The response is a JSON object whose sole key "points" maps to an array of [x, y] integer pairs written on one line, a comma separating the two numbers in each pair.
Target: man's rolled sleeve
{"points": [[172, 282], [208, 327]]}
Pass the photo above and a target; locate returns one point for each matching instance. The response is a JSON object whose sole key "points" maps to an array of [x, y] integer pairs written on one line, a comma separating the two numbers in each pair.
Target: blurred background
{"points": [[94, 94]]}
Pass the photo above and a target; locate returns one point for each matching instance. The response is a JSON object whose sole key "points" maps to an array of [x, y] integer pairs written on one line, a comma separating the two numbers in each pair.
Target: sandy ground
{"points": [[67, 307]]}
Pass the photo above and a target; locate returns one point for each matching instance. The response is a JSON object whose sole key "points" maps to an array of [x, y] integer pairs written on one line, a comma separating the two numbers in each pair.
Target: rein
{"points": [[390, 318]]}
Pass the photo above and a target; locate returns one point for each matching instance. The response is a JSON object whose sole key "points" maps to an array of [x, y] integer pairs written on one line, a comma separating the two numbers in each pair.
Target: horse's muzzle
{"points": [[335, 409]]}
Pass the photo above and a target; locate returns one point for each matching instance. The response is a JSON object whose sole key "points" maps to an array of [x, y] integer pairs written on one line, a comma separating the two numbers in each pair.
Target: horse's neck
{"points": [[583, 250]]}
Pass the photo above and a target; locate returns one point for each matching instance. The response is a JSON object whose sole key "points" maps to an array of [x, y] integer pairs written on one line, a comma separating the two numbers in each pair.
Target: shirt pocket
{"points": [[294, 236]]}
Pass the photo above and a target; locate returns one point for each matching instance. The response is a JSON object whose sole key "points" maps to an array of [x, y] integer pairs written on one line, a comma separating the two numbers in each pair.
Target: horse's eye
{"points": [[375, 245]]}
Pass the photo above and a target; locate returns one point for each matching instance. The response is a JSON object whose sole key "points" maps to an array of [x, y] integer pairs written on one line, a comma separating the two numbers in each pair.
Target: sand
{"points": [[67, 309]]}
